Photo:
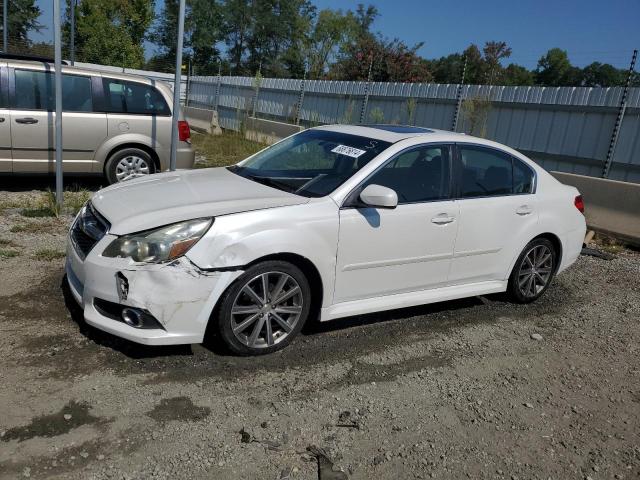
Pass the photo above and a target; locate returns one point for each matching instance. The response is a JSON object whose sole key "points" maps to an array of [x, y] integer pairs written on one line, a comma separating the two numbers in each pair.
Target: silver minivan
{"points": [[113, 124]]}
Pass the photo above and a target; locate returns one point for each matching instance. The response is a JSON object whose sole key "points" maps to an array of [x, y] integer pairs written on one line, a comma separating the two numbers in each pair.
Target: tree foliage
{"points": [[22, 19]]}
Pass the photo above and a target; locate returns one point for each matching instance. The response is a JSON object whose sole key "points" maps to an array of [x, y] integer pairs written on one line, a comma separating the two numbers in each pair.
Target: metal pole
{"points": [[72, 40], [188, 92], [57, 44], [456, 113], [301, 97], [619, 118], [176, 88], [218, 85], [365, 100], [5, 25]]}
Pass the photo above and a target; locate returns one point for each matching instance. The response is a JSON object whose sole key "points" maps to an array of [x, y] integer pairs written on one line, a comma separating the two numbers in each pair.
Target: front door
{"points": [[5, 124], [33, 119], [408, 248]]}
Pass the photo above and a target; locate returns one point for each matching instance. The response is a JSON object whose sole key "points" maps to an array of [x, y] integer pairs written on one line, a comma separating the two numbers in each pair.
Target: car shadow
{"points": [[26, 183]]}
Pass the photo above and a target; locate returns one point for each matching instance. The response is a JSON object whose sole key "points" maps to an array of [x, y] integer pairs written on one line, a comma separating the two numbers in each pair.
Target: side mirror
{"points": [[379, 196]]}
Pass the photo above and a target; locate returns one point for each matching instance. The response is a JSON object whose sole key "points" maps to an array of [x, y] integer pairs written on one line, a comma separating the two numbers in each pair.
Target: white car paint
{"points": [[367, 261]]}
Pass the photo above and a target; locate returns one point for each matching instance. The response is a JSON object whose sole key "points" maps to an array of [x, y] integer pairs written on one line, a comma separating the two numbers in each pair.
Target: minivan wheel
{"points": [[127, 164], [264, 309], [533, 271]]}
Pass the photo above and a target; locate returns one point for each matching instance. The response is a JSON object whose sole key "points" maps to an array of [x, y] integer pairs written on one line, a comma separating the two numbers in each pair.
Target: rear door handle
{"points": [[523, 210], [442, 219], [1, 119], [27, 120]]}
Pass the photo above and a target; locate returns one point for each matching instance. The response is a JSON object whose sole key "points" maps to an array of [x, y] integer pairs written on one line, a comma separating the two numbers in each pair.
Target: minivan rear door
{"points": [[31, 96]]}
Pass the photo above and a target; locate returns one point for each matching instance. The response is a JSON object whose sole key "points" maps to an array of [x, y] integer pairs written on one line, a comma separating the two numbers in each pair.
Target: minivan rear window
{"points": [[133, 98]]}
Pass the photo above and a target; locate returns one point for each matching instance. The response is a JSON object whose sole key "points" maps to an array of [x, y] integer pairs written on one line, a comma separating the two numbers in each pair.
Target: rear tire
{"points": [[128, 163], [533, 271], [264, 309]]}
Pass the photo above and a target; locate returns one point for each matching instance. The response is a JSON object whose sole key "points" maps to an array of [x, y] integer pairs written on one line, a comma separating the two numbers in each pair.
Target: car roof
{"points": [[395, 133], [47, 66]]}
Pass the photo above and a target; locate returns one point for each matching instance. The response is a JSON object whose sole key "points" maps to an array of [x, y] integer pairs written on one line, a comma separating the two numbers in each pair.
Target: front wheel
{"points": [[533, 271], [264, 309]]}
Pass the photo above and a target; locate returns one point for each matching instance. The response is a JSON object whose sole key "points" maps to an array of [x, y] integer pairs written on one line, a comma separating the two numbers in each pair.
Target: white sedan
{"points": [[332, 222]]}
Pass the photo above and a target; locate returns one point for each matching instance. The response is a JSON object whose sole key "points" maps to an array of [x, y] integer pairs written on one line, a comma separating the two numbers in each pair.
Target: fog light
{"points": [[132, 317]]}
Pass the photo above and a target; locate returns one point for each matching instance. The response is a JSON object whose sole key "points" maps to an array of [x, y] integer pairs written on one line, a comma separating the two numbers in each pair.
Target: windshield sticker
{"points": [[348, 151]]}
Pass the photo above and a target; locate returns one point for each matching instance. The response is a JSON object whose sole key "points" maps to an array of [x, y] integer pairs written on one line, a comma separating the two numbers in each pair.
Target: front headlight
{"points": [[159, 245]]}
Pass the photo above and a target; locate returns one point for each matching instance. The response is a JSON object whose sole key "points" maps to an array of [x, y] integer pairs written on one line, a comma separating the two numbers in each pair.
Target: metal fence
{"points": [[567, 129]]}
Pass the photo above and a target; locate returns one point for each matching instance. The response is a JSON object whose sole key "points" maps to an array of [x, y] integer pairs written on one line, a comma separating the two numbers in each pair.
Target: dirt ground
{"points": [[454, 390]]}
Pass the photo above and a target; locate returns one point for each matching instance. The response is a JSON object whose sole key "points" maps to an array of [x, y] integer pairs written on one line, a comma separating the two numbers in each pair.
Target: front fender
{"points": [[309, 230]]}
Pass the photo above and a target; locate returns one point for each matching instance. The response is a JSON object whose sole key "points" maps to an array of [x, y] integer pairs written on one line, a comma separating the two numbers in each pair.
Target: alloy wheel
{"points": [[535, 271], [266, 310], [131, 166]]}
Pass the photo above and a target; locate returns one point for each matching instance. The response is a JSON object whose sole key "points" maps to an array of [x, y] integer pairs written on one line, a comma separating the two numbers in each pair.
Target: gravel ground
{"points": [[477, 388]]}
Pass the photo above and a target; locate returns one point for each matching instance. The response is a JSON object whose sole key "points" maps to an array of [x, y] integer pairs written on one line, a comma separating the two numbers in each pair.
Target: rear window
{"points": [[133, 98]]}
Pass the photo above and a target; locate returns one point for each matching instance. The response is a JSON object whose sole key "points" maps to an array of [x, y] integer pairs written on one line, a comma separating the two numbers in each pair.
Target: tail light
{"points": [[184, 132], [579, 203]]}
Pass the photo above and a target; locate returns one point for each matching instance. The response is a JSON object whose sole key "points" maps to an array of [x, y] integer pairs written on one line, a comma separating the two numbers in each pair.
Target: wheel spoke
{"points": [[254, 296], [289, 309], [282, 322], [277, 289], [241, 310], [242, 326], [269, 330], [264, 278], [287, 295], [256, 331], [543, 260]]}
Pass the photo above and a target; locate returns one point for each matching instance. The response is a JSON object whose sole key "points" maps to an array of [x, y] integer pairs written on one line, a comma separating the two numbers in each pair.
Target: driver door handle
{"points": [[442, 219], [27, 120]]}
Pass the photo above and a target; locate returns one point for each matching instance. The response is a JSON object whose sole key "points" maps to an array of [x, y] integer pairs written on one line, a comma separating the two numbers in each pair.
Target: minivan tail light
{"points": [[184, 132], [579, 203]]}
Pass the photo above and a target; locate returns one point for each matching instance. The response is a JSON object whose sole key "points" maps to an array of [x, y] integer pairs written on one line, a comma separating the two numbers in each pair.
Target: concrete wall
{"points": [[610, 206]]}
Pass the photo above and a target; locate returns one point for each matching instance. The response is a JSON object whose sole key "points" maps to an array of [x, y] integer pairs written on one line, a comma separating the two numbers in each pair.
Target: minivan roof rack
{"points": [[31, 58]]}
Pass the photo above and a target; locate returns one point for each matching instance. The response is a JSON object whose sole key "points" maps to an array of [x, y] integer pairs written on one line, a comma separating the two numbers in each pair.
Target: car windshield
{"points": [[312, 163]]}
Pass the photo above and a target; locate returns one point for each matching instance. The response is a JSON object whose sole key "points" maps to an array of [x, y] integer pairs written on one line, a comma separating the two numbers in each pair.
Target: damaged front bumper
{"points": [[179, 295]]}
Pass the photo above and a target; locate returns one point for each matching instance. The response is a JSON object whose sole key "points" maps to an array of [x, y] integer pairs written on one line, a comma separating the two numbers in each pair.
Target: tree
{"points": [[517, 75], [493, 53], [23, 19], [332, 31], [112, 32], [603, 75], [202, 32], [555, 69]]}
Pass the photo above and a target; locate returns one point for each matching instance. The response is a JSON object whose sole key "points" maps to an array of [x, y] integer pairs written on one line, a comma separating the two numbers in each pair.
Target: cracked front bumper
{"points": [[178, 294]]}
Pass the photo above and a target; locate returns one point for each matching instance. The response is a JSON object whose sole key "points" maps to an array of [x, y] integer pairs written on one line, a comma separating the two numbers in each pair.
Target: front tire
{"points": [[128, 163], [533, 271], [264, 309]]}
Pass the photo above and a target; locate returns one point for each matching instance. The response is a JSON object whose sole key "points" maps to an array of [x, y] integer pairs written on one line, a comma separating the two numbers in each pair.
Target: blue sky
{"points": [[589, 30]]}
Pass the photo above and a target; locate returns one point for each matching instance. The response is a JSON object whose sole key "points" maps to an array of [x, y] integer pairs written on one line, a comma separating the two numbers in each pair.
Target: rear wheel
{"points": [[264, 309], [127, 164], [533, 271]]}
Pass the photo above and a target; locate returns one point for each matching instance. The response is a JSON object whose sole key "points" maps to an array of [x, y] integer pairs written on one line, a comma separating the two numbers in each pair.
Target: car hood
{"points": [[165, 198]]}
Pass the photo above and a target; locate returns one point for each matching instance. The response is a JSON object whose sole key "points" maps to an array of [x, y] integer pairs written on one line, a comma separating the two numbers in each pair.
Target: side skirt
{"points": [[410, 299]]}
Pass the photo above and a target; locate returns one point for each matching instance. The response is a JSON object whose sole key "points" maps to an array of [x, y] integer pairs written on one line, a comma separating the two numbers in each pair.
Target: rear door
{"points": [[32, 98], [5, 124], [498, 212]]}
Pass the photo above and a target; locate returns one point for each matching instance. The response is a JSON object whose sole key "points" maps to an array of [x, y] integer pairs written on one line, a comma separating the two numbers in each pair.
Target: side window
{"points": [[131, 97], [36, 91], [418, 175], [522, 177], [485, 172]]}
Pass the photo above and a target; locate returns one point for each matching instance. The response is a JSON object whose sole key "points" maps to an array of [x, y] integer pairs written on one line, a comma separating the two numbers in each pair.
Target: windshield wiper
{"points": [[270, 182]]}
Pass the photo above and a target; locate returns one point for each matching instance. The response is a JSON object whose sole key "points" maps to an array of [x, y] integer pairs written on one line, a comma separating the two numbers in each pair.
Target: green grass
{"points": [[31, 227], [47, 205], [223, 150], [49, 254], [8, 253], [38, 212]]}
